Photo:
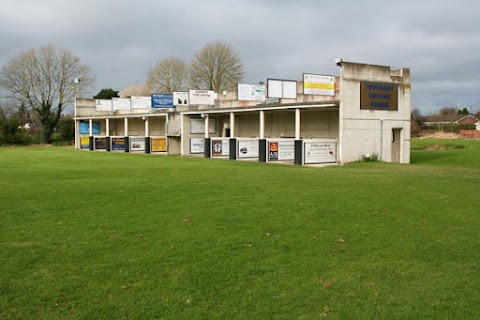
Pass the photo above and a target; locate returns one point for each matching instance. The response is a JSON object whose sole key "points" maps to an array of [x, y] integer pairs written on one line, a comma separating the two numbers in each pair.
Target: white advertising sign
{"points": [[320, 152], [180, 98], [247, 148], [137, 102], [317, 84], [202, 97], [251, 92], [197, 145], [103, 105], [290, 89], [274, 88], [281, 150], [283, 89], [122, 104], [197, 125], [137, 144], [220, 147]]}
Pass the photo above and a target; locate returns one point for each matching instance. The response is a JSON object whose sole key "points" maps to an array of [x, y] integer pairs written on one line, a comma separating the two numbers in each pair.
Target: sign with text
{"points": [[162, 100], [138, 102], [220, 147], [121, 104], [378, 96], [118, 144], [281, 150], [247, 148], [137, 144], [103, 105], [320, 152], [84, 142], [158, 144], [197, 145], [252, 92], [180, 98], [319, 85], [100, 143], [202, 97]]}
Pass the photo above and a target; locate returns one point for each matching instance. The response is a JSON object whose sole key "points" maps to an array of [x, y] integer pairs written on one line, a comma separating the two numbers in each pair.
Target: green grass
{"points": [[91, 235]]}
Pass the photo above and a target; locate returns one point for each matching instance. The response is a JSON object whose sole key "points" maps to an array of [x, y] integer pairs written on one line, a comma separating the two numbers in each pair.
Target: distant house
{"points": [[477, 125], [450, 120]]}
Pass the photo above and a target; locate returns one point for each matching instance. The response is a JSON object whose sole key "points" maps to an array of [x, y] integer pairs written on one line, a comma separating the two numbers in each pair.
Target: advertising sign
{"points": [[118, 144], [162, 100], [320, 152], [197, 125], [281, 150], [197, 145], [100, 143], [121, 104], [378, 96], [84, 128], [319, 85], [220, 147], [247, 148], [282, 89], [252, 92], [103, 105], [137, 144], [158, 144], [84, 142], [137, 102], [180, 98], [201, 97]]}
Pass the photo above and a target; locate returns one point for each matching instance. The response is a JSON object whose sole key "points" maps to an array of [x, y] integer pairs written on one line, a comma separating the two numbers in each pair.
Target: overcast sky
{"points": [[121, 40]]}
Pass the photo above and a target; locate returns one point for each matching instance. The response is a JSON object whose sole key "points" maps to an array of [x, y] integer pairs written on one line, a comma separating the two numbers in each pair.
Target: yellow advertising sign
{"points": [[159, 144], [84, 142]]}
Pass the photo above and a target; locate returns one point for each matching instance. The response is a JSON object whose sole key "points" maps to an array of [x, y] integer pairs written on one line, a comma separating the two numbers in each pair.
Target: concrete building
{"points": [[365, 112]]}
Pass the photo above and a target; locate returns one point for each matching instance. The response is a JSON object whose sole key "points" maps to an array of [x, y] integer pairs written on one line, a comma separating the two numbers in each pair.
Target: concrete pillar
{"points": [[207, 139], [107, 127], [127, 141], [262, 124], [146, 128], [181, 135], [233, 149], [297, 124], [232, 125], [90, 134], [298, 142]]}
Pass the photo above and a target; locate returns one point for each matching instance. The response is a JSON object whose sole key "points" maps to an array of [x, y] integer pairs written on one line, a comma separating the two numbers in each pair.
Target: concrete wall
{"points": [[370, 131]]}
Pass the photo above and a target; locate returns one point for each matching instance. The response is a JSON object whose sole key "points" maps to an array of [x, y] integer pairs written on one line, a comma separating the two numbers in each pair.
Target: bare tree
{"points": [[47, 79], [139, 89], [216, 67], [168, 75]]}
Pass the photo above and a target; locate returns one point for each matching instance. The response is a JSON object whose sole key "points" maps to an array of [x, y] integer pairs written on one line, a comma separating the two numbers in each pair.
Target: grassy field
{"points": [[86, 235]]}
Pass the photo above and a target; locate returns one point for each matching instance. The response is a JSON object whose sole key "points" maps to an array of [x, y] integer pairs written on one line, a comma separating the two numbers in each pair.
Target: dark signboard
{"points": [[118, 144], [378, 96], [100, 143]]}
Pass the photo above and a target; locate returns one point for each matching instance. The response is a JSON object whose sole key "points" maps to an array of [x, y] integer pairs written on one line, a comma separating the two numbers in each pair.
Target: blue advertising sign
{"points": [[162, 100], [85, 130]]}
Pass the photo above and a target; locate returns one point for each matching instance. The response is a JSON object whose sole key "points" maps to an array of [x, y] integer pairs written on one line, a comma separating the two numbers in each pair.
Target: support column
{"points": [[127, 141], [298, 141], [147, 137], [233, 140], [207, 139], [262, 142], [181, 135], [108, 147], [90, 134]]}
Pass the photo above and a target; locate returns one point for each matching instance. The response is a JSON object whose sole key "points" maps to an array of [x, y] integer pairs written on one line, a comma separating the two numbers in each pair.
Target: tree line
{"points": [[45, 80]]}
